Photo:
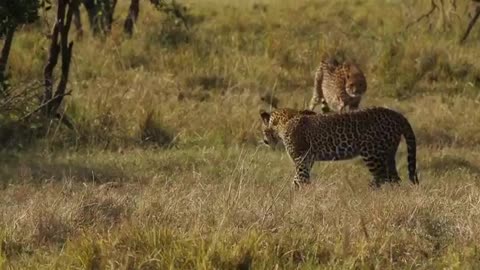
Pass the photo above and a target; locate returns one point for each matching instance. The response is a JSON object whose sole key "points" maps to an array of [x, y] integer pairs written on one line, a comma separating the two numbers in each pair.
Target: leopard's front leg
{"points": [[303, 166]]}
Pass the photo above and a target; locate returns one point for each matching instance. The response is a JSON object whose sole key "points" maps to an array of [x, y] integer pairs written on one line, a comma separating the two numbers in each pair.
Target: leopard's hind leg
{"points": [[377, 166], [392, 173]]}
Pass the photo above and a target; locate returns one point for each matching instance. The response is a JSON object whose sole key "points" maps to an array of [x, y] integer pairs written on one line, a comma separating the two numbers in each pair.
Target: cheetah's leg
{"points": [[303, 166], [325, 107], [378, 168], [349, 107], [317, 96], [316, 99]]}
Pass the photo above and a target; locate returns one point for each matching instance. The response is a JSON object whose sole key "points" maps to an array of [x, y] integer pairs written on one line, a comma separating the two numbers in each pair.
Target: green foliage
{"points": [[176, 10], [17, 12]]}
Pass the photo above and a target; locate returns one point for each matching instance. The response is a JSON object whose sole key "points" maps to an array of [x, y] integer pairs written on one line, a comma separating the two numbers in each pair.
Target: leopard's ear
{"points": [[265, 116]]}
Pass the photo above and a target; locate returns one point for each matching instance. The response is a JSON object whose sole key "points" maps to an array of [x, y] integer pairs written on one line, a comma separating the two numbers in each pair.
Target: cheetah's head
{"points": [[355, 82]]}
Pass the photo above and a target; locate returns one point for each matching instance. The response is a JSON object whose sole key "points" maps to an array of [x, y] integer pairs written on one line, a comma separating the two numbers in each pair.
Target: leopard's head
{"points": [[273, 123], [355, 82], [269, 128]]}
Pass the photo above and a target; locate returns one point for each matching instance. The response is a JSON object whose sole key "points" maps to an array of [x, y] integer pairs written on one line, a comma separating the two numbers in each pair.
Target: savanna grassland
{"points": [[165, 169]]}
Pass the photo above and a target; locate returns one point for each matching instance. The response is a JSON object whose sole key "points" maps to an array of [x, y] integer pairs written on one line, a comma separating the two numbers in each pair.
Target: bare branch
{"points": [[426, 15], [41, 107], [471, 24]]}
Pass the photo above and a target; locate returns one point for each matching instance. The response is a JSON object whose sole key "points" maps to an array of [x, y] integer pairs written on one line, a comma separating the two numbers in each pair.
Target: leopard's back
{"points": [[344, 135]]}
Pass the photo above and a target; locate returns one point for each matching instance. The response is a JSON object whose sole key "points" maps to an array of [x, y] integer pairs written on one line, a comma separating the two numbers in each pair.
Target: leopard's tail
{"points": [[411, 152]]}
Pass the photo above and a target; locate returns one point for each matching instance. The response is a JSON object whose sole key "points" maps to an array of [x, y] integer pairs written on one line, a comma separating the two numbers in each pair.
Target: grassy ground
{"points": [[166, 172]]}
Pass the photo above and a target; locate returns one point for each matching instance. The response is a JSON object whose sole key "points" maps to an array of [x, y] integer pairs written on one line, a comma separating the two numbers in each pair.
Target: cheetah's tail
{"points": [[411, 152]]}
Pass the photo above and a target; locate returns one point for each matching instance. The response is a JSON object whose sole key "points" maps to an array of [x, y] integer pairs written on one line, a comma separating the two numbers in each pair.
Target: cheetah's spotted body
{"points": [[338, 86], [374, 134]]}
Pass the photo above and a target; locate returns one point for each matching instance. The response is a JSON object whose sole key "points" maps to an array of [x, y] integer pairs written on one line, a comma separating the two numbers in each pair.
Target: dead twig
{"points": [[19, 95], [41, 107]]}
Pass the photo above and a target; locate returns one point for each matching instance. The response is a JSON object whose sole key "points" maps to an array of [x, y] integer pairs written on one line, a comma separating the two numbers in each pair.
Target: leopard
{"points": [[338, 86], [373, 133]]}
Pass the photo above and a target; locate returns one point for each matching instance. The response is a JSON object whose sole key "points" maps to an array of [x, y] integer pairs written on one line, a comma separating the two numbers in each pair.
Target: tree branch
{"points": [[424, 16], [471, 24], [41, 107]]}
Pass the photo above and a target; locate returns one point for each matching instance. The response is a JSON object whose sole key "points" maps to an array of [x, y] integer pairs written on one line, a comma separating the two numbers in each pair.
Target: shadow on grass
{"points": [[436, 139], [450, 163], [15, 170]]}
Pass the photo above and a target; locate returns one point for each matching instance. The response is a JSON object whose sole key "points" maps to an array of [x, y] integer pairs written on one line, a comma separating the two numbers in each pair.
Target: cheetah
{"points": [[338, 86], [373, 134]]}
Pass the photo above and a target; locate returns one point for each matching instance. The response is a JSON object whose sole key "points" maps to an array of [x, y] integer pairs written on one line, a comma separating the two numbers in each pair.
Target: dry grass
{"points": [[166, 171], [193, 214]]}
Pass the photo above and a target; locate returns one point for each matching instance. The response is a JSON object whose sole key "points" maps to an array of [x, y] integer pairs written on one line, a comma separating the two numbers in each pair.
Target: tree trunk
{"points": [[66, 49], [132, 17], [100, 15], [4, 57], [77, 20], [92, 13], [109, 15], [51, 102], [53, 57]]}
